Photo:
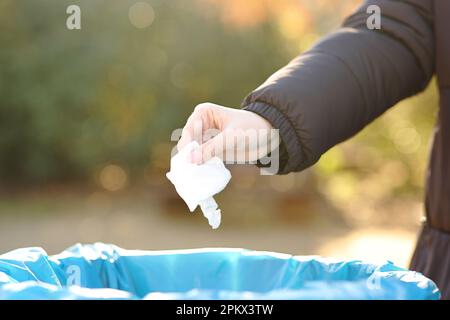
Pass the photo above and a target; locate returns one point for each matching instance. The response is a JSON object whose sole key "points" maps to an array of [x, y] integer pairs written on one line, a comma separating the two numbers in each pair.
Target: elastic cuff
{"points": [[289, 150]]}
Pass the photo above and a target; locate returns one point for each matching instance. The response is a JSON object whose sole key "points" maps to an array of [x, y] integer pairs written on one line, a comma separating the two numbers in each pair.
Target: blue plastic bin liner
{"points": [[101, 271]]}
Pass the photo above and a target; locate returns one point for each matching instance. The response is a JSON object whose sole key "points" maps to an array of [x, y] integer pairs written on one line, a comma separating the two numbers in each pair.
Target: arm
{"points": [[345, 81]]}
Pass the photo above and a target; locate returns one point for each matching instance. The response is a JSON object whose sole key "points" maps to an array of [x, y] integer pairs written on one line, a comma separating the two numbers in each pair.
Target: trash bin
{"points": [[102, 271]]}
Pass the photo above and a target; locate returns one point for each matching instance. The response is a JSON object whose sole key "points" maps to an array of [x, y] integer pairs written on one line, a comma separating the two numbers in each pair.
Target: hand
{"points": [[227, 133]]}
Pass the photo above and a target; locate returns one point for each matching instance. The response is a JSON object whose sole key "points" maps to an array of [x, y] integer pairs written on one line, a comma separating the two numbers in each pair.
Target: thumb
{"points": [[215, 147]]}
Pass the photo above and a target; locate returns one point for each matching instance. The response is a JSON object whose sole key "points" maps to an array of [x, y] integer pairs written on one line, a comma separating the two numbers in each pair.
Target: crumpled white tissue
{"points": [[197, 184]]}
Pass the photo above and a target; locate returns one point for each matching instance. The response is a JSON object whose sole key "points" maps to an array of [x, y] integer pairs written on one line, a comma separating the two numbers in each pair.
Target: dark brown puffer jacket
{"points": [[351, 77]]}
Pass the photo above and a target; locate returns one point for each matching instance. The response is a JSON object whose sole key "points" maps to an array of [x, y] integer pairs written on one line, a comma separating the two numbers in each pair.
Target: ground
{"points": [[140, 219]]}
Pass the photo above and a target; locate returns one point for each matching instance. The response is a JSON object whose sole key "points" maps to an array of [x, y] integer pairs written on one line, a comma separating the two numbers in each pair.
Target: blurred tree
{"points": [[111, 93], [74, 100]]}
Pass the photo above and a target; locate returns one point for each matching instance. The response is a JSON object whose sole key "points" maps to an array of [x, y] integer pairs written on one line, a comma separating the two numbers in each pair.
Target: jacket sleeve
{"points": [[347, 79]]}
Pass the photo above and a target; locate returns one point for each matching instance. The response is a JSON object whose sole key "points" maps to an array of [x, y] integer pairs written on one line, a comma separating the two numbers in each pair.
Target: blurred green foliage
{"points": [[75, 101]]}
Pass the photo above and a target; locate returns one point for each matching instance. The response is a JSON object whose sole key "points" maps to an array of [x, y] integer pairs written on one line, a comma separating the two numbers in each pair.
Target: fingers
{"points": [[215, 147], [220, 131], [235, 146], [187, 136], [222, 145], [235, 136], [205, 117], [193, 128]]}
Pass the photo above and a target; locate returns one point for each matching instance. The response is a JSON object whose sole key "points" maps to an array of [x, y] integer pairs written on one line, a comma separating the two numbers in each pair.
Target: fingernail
{"points": [[196, 157]]}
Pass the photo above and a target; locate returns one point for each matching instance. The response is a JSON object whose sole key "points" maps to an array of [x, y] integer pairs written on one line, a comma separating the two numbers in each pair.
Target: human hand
{"points": [[231, 134]]}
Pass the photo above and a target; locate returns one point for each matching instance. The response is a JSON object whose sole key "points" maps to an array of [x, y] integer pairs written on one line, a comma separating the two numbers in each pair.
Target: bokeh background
{"points": [[86, 117]]}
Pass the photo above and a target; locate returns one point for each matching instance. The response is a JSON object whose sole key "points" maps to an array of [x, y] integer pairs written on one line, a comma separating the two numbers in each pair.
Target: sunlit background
{"points": [[86, 117]]}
